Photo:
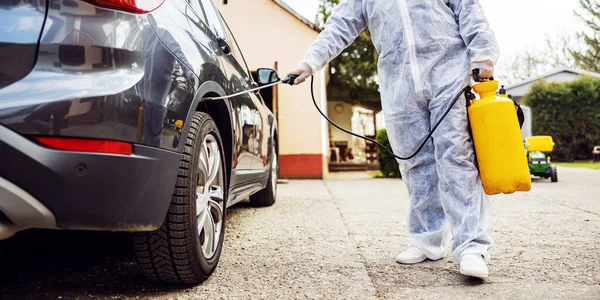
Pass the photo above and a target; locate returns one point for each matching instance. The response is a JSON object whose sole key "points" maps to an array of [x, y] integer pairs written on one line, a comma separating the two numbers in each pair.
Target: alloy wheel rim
{"points": [[209, 196]]}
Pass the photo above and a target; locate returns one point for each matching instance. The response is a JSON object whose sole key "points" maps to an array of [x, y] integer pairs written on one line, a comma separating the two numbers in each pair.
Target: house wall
{"points": [[266, 33], [344, 119]]}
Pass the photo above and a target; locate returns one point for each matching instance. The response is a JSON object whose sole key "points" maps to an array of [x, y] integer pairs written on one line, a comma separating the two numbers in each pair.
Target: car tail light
{"points": [[85, 145], [130, 6]]}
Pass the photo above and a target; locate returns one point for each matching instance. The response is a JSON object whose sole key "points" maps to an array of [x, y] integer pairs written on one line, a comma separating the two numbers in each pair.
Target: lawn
{"points": [[375, 174], [580, 164]]}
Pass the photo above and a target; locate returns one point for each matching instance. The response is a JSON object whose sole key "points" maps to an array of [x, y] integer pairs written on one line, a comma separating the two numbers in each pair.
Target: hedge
{"points": [[388, 165], [570, 113]]}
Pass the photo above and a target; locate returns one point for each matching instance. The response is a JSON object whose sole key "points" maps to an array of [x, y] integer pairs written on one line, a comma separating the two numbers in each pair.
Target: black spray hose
{"points": [[290, 80]]}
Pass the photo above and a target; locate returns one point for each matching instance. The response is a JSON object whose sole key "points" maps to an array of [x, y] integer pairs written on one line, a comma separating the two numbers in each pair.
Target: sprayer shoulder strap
{"points": [[520, 114]]}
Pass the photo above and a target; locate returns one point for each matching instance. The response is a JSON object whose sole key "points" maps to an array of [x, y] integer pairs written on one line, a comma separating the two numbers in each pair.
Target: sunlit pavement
{"points": [[337, 239]]}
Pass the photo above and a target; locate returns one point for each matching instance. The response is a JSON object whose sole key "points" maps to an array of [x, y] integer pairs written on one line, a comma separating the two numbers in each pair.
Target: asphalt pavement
{"points": [[337, 239]]}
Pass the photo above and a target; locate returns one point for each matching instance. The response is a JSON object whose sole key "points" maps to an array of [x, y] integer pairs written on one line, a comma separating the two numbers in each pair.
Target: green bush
{"points": [[387, 163], [570, 113]]}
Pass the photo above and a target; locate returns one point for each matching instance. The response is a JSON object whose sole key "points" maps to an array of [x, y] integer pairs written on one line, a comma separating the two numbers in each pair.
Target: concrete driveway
{"points": [[337, 239]]}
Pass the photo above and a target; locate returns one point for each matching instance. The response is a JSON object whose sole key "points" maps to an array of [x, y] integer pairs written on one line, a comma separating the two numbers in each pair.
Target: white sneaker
{"points": [[473, 265], [412, 255]]}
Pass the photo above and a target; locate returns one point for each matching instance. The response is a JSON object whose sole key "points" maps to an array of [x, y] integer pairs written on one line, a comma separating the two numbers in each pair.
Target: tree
{"points": [[570, 113], [555, 54], [388, 165], [589, 58], [562, 50], [353, 74]]}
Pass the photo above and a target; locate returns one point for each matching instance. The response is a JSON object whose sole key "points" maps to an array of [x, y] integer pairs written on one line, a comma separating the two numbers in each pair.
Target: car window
{"points": [[197, 8], [197, 19], [212, 17], [237, 53], [219, 27]]}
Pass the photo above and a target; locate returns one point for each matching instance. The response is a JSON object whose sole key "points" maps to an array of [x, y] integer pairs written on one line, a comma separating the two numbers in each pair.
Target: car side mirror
{"points": [[267, 76]]}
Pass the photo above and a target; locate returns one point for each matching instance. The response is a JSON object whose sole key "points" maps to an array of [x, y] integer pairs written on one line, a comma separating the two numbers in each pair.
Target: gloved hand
{"points": [[303, 70], [486, 68]]}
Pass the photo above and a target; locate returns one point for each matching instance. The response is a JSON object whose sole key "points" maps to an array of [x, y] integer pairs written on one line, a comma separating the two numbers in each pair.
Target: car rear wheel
{"points": [[268, 195], [187, 247], [554, 174]]}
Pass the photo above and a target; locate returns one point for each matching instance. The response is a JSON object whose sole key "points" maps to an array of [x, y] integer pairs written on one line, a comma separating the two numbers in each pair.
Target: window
{"points": [[235, 48], [212, 17], [197, 8], [219, 27]]}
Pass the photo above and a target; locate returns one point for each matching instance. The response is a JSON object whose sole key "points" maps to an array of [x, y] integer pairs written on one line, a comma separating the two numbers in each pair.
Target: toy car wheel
{"points": [[554, 175]]}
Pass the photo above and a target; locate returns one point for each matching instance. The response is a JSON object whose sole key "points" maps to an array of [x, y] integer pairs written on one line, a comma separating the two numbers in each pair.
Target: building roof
{"points": [[557, 71], [297, 15]]}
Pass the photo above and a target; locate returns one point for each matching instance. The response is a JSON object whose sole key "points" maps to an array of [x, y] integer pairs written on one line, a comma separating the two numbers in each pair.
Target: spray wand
{"points": [[287, 80], [291, 78]]}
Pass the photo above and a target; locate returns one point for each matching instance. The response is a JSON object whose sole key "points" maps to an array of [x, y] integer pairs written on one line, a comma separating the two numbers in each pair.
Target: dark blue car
{"points": [[103, 126]]}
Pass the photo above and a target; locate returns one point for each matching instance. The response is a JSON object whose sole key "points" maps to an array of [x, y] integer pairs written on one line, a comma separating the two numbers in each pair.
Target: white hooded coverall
{"points": [[425, 48]]}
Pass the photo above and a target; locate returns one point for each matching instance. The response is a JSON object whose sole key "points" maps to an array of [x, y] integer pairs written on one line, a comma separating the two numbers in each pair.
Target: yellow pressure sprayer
{"points": [[499, 148]]}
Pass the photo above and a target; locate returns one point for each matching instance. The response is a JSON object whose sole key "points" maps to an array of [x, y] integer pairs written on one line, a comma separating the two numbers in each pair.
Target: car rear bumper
{"points": [[47, 188], [20, 210]]}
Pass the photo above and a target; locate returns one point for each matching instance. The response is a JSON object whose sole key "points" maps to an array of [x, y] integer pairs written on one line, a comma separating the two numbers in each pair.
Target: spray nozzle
{"points": [[502, 91], [290, 79]]}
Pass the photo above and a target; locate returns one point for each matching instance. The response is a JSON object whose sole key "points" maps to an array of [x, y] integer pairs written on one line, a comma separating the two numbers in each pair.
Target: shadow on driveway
{"points": [[69, 264], [75, 264]]}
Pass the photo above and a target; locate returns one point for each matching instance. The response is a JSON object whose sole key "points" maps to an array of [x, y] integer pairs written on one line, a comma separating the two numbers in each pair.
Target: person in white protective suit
{"points": [[427, 49]]}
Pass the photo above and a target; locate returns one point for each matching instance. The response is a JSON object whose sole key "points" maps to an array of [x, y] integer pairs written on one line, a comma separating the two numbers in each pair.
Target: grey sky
{"points": [[519, 24]]}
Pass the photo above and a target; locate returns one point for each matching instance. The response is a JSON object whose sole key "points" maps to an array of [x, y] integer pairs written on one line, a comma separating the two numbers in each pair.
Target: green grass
{"points": [[375, 174], [580, 164]]}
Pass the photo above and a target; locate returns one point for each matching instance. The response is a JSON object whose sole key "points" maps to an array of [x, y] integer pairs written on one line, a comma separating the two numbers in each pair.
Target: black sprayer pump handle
{"points": [[290, 79], [476, 77]]}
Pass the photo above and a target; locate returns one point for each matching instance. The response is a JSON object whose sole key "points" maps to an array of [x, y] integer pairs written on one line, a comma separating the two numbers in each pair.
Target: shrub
{"points": [[387, 163], [570, 113]]}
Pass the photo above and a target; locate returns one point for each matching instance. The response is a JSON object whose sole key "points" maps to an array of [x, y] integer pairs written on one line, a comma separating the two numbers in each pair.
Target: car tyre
{"points": [[187, 247], [268, 195], [554, 174]]}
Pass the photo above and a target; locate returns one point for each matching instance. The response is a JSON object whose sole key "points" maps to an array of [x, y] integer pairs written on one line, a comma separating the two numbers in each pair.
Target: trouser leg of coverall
{"points": [[426, 218], [467, 207], [442, 180]]}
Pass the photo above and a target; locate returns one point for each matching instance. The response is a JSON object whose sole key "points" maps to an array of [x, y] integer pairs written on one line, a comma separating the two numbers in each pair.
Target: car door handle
{"points": [[224, 46]]}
